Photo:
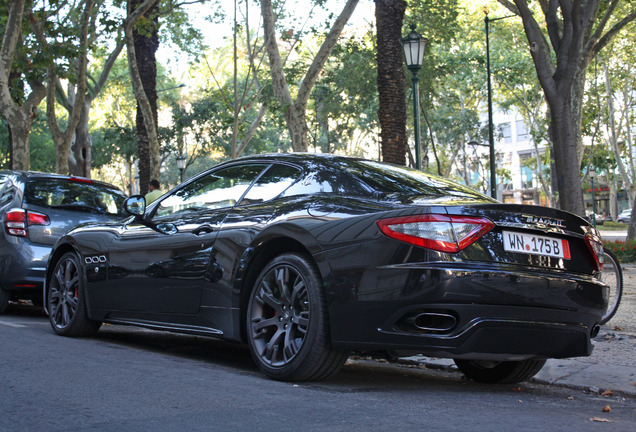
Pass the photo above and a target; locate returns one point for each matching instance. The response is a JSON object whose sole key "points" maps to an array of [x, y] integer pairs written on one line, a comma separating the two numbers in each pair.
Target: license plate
{"points": [[536, 245]]}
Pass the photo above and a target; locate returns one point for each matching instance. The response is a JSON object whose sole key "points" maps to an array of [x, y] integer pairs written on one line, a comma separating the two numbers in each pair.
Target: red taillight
{"points": [[37, 218], [17, 220], [596, 247], [435, 231], [81, 180]]}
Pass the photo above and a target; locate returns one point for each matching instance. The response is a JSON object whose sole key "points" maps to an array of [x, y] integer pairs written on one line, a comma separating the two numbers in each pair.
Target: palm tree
{"points": [[389, 15]]}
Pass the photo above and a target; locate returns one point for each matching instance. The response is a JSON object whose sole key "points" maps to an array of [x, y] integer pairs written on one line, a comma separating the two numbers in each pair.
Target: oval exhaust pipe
{"points": [[595, 331], [433, 321]]}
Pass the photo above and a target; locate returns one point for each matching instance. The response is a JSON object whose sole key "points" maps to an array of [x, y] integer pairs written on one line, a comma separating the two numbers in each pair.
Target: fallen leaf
{"points": [[607, 408], [600, 419], [517, 389], [570, 397], [618, 328], [607, 392]]}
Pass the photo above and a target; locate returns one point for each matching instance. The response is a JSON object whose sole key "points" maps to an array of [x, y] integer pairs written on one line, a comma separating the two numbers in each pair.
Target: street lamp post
{"points": [[491, 136], [592, 176], [181, 164], [414, 46]]}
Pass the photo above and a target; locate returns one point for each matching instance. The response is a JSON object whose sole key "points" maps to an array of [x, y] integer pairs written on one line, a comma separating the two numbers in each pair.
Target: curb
{"points": [[568, 379]]}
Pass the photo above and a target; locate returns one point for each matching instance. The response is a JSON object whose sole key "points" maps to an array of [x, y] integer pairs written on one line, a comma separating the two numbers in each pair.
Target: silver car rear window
{"points": [[73, 195]]}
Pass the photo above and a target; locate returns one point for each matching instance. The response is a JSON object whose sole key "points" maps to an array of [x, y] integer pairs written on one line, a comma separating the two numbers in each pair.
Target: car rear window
{"points": [[73, 195], [405, 181]]}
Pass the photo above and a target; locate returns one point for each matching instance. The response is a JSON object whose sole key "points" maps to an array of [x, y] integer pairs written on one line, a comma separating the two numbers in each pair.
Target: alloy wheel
{"points": [[64, 292], [280, 315]]}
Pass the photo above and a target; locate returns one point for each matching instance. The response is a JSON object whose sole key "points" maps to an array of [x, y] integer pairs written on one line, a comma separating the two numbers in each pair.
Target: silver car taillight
{"points": [[17, 221]]}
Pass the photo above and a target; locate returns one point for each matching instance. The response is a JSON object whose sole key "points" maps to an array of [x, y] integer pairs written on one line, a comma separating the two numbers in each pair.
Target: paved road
{"points": [[134, 379], [129, 379]]}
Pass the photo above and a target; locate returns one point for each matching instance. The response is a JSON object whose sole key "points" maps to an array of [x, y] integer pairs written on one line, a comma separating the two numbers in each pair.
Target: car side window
{"points": [[217, 190], [271, 184], [6, 196]]}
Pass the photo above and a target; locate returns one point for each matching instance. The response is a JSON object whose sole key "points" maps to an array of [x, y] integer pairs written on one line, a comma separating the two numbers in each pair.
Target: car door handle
{"points": [[203, 229]]}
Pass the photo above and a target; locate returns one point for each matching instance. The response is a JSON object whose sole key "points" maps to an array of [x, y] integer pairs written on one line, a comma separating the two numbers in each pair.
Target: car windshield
{"points": [[74, 195]]}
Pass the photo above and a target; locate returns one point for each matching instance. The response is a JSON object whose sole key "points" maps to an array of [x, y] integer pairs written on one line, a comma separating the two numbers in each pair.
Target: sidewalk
{"points": [[612, 235], [612, 365]]}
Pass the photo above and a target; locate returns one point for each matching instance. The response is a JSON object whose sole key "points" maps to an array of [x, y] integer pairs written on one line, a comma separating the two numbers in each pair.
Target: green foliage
{"points": [[610, 79], [614, 225], [451, 81], [344, 102], [112, 141], [204, 127], [624, 251], [40, 144]]}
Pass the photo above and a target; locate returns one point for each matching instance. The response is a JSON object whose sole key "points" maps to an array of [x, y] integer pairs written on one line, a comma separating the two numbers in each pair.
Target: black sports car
{"points": [[308, 257]]}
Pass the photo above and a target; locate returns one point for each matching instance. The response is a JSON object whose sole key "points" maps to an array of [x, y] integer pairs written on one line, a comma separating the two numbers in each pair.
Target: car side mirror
{"points": [[135, 205]]}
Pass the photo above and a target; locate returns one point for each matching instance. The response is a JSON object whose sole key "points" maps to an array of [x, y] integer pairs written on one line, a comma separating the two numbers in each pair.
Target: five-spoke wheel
{"points": [[65, 301], [287, 324]]}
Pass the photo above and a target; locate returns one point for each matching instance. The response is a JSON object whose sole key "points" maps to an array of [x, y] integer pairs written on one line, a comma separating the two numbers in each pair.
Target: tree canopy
{"points": [[238, 92]]}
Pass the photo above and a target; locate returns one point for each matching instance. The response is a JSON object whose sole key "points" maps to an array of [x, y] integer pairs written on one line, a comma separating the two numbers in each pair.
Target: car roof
{"points": [[298, 157], [43, 175]]}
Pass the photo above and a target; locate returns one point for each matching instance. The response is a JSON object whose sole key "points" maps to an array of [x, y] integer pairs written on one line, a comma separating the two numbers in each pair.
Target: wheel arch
{"points": [[56, 254], [256, 259]]}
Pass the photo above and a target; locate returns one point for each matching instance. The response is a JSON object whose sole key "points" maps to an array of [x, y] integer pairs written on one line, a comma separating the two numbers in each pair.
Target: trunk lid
{"points": [[534, 236]]}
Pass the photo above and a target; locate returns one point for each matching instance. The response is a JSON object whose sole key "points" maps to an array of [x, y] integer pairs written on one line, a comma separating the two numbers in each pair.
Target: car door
{"points": [[243, 222], [160, 264]]}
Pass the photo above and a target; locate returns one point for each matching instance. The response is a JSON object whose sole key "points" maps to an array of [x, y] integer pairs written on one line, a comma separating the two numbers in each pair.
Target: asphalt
{"points": [[611, 369]]}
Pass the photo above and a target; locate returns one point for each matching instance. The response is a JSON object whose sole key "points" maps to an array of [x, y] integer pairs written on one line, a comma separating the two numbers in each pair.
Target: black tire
{"points": [[66, 299], [287, 324], [612, 275], [499, 372], [4, 300]]}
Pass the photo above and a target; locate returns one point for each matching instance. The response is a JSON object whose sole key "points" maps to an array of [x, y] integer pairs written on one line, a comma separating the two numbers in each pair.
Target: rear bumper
{"points": [[23, 267], [473, 314]]}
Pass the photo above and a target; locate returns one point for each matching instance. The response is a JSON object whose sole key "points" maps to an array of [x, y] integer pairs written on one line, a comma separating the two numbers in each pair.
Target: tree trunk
{"points": [[565, 106], [82, 146], [576, 33], [20, 154], [567, 141], [297, 127], [142, 64], [295, 111], [63, 139], [19, 118], [81, 163], [145, 48], [389, 16]]}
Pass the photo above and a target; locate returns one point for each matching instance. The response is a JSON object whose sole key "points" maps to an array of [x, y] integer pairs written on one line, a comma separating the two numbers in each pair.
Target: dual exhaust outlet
{"points": [[438, 322], [434, 322]]}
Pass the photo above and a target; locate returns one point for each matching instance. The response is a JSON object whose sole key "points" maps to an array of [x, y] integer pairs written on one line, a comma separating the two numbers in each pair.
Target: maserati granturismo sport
{"points": [[307, 258]]}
